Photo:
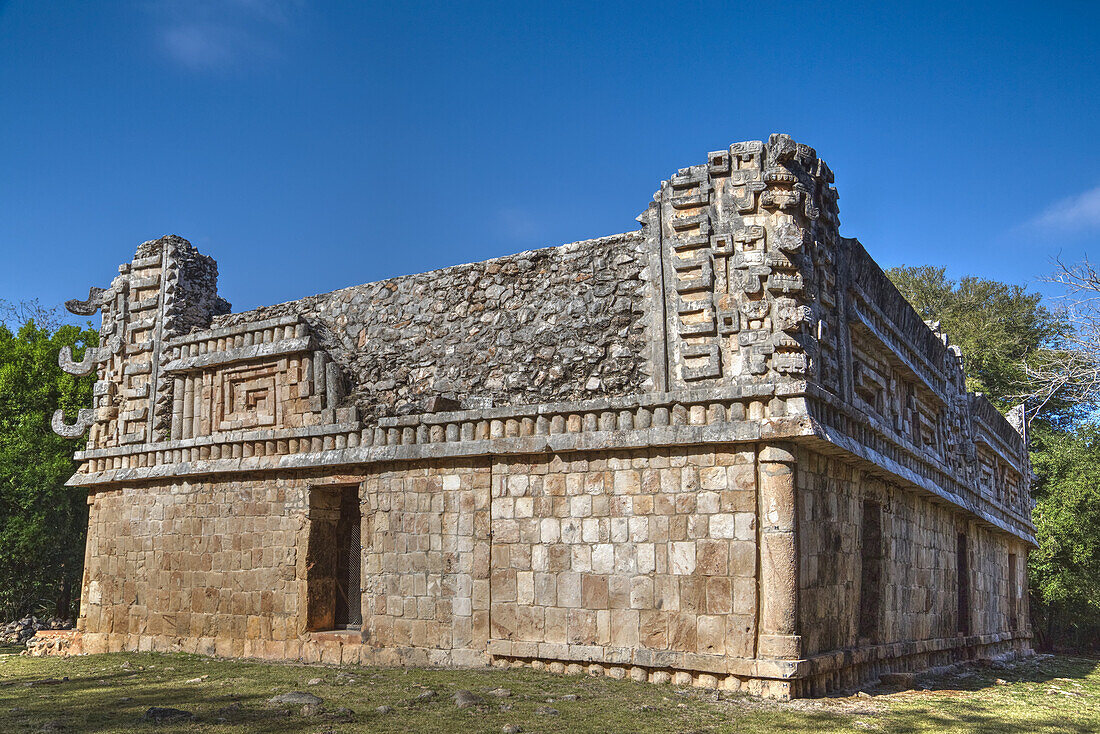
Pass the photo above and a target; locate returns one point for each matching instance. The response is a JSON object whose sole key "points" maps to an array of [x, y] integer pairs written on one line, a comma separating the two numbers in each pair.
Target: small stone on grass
{"points": [[465, 699], [296, 698], [161, 714]]}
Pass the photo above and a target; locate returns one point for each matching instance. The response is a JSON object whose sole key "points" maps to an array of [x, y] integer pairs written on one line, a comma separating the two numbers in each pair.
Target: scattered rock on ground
{"points": [[426, 696], [500, 693], [296, 698], [546, 711], [313, 682], [159, 714], [465, 699], [570, 697], [228, 711], [384, 709], [19, 631], [511, 729], [342, 715], [904, 680]]}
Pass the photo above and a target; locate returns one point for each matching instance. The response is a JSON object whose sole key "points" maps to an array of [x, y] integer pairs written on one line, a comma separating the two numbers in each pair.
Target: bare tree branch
{"points": [[1070, 366]]}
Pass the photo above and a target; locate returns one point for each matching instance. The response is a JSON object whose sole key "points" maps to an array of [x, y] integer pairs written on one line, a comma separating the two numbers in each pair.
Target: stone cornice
{"points": [[692, 418], [747, 412], [746, 431]]}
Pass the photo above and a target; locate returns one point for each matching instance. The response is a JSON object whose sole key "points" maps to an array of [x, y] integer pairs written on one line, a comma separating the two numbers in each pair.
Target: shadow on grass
{"points": [[111, 693], [992, 699], [116, 699], [1036, 670]]}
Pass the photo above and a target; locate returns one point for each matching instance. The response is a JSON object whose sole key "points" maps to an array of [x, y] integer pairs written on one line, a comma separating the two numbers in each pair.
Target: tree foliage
{"points": [[1001, 329], [1065, 569], [1067, 495], [42, 522]]}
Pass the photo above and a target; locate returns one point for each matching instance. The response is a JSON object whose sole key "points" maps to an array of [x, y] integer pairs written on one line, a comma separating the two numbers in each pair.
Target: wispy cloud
{"points": [[222, 35], [1074, 214]]}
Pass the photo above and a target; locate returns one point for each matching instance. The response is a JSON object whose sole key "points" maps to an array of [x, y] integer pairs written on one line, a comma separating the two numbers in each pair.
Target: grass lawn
{"points": [[112, 693]]}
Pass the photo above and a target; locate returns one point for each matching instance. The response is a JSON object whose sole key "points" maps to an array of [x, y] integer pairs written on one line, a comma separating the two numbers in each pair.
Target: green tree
{"points": [[42, 522], [1065, 570], [1000, 328]]}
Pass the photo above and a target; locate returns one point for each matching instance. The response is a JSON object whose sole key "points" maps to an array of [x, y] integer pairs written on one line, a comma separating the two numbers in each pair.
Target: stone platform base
{"points": [[838, 671], [848, 670]]}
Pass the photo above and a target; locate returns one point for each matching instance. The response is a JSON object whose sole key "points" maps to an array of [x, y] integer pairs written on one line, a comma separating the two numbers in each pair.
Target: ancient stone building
{"points": [[721, 449]]}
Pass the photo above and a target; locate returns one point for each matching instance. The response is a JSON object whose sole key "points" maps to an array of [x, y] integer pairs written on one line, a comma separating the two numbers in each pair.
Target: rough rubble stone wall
{"points": [[547, 325], [920, 574]]}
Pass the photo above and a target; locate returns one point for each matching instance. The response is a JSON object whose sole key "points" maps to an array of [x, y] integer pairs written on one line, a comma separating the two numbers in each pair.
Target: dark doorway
{"points": [[963, 565], [1013, 593], [333, 559], [871, 558], [349, 554]]}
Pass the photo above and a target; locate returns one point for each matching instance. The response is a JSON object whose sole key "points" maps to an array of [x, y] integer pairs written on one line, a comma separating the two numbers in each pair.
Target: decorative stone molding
{"points": [[93, 357], [85, 418], [89, 306]]}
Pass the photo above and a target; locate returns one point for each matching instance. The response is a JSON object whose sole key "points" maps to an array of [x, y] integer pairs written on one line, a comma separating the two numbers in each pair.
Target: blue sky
{"points": [[310, 146]]}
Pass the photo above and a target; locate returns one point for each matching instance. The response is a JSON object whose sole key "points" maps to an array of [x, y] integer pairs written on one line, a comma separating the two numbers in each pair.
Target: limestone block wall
{"points": [[426, 547], [598, 555], [919, 576], [667, 561], [644, 558], [215, 563]]}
